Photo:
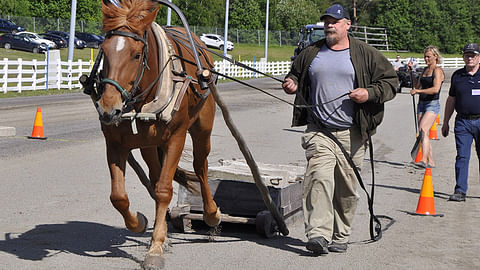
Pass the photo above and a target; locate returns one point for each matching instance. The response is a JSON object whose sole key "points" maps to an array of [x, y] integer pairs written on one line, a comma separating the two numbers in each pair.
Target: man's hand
{"points": [[289, 86], [359, 95], [445, 129]]}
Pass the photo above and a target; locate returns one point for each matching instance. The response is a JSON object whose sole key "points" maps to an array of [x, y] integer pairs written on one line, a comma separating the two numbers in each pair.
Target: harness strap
{"points": [[126, 34], [120, 89], [186, 82]]}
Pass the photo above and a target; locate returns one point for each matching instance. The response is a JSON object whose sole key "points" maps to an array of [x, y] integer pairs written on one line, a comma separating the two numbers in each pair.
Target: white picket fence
{"points": [[18, 75], [446, 62], [271, 68]]}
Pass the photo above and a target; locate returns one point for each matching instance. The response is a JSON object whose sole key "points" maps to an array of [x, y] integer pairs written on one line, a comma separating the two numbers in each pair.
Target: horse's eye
{"points": [[137, 56]]}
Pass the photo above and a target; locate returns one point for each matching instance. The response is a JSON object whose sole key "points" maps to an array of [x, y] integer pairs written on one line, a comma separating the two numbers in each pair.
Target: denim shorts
{"points": [[428, 106]]}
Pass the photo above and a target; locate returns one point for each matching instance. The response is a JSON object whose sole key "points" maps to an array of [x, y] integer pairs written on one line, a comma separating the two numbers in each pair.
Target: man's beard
{"points": [[329, 38]]}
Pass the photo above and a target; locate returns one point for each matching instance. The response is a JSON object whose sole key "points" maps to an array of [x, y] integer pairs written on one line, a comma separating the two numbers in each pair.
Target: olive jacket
{"points": [[372, 71]]}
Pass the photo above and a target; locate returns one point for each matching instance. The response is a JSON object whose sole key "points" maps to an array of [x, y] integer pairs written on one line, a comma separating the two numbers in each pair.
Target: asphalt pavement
{"points": [[57, 213]]}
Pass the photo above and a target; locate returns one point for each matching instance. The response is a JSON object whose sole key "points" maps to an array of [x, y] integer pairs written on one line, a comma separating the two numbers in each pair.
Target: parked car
{"points": [[37, 38], [215, 41], [79, 44], [307, 35], [18, 42], [92, 40], [59, 41], [7, 26]]}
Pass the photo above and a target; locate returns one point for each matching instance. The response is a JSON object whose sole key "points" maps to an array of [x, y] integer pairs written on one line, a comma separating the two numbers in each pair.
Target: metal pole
{"points": [[266, 32], [227, 6], [169, 15], [71, 42]]}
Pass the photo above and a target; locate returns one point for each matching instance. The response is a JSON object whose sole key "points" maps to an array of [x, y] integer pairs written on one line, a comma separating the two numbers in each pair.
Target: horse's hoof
{"points": [[154, 262], [142, 223], [213, 221]]}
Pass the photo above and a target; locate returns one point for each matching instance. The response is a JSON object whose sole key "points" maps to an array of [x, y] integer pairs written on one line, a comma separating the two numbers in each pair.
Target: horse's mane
{"points": [[130, 15]]}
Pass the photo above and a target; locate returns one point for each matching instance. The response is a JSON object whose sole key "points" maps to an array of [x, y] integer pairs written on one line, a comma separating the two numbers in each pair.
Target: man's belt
{"points": [[468, 116]]}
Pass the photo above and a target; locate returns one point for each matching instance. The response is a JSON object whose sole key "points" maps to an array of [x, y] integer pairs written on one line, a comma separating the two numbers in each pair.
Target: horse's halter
{"points": [[128, 97]]}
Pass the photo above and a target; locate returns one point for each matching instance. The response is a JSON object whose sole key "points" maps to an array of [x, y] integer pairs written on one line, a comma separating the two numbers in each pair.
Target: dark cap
{"points": [[336, 11], [471, 48]]}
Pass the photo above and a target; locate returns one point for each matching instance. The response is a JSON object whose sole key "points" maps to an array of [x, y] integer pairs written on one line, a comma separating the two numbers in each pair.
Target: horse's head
{"points": [[125, 51]]}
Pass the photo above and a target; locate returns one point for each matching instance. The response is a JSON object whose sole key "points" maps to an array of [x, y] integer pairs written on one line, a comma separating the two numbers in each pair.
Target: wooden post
{"points": [[250, 161]]}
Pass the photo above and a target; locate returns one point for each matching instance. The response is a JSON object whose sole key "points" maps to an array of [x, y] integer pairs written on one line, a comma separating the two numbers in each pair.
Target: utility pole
{"points": [[71, 43], [266, 32], [227, 6], [169, 15], [354, 12]]}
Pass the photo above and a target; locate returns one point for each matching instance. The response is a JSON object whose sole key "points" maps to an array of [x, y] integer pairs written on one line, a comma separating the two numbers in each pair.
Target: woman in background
{"points": [[428, 87]]}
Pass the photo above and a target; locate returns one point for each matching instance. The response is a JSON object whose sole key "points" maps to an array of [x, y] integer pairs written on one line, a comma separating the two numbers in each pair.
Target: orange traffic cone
{"points": [[438, 119], [432, 135], [426, 205], [37, 132], [419, 156]]}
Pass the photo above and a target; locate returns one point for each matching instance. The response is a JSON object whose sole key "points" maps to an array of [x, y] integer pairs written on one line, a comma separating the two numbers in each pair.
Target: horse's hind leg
{"points": [[118, 196], [200, 133]]}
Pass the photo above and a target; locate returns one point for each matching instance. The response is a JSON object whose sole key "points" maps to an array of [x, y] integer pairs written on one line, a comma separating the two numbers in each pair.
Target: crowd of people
{"points": [[341, 85]]}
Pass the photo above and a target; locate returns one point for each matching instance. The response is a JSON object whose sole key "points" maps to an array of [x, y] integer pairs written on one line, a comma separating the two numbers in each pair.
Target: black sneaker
{"points": [[337, 247], [457, 196], [318, 245]]}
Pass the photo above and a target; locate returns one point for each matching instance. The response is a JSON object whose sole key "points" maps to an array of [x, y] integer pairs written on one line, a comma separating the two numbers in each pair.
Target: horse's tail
{"points": [[187, 179]]}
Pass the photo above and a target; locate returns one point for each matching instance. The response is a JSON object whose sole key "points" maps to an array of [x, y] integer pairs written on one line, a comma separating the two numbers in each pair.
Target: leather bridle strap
{"points": [[126, 34]]}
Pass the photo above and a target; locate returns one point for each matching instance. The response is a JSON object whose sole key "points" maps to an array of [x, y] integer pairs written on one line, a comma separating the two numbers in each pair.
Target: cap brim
{"points": [[471, 51], [336, 16]]}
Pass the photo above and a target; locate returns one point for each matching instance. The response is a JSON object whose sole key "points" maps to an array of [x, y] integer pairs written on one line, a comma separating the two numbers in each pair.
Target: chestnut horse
{"points": [[130, 71]]}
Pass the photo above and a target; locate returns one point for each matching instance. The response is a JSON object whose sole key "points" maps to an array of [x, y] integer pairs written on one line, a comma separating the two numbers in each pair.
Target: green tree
{"points": [[15, 7], [458, 30], [292, 14], [246, 14], [427, 20], [397, 17]]}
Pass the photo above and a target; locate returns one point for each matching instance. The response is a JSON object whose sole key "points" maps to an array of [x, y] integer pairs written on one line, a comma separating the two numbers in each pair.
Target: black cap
{"points": [[471, 48], [336, 11]]}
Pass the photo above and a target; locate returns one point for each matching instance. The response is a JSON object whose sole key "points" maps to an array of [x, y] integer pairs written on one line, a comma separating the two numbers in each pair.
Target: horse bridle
{"points": [[128, 97]]}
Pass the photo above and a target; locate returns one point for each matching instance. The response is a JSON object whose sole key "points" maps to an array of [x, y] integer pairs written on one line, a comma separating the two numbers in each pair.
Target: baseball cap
{"points": [[471, 48], [336, 11]]}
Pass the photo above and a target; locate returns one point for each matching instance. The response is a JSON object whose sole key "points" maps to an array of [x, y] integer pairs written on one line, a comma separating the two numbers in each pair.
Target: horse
{"points": [[130, 74]]}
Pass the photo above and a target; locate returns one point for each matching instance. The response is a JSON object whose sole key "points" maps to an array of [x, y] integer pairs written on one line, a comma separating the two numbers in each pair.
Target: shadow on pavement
{"points": [[77, 237]]}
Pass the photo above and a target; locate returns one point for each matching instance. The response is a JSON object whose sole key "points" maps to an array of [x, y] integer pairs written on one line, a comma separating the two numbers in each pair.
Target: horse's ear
{"points": [[151, 17]]}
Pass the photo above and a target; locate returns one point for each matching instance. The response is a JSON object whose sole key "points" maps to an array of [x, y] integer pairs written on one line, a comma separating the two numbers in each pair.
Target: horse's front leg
{"points": [[163, 194], [116, 158]]}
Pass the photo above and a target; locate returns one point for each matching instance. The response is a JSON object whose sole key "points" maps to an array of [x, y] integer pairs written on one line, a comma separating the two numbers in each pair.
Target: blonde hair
{"points": [[435, 53]]}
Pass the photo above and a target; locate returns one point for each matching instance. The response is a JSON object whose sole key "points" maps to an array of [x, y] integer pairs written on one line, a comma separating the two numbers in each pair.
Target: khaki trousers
{"points": [[329, 194]]}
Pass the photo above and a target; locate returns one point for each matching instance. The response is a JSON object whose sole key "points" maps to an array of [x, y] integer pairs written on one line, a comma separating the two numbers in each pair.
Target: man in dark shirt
{"points": [[464, 97]]}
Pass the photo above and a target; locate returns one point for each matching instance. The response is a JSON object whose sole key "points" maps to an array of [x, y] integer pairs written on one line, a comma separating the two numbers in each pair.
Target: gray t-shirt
{"points": [[332, 75]]}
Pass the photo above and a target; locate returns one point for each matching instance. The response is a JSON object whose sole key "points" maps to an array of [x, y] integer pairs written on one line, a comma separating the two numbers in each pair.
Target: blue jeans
{"points": [[465, 132]]}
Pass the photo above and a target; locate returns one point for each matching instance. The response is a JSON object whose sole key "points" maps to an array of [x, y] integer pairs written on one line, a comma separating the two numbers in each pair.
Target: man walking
{"points": [[464, 97], [347, 81]]}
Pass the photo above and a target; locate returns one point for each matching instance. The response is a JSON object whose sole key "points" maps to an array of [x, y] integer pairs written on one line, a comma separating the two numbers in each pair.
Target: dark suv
{"points": [[7, 26], [308, 35]]}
